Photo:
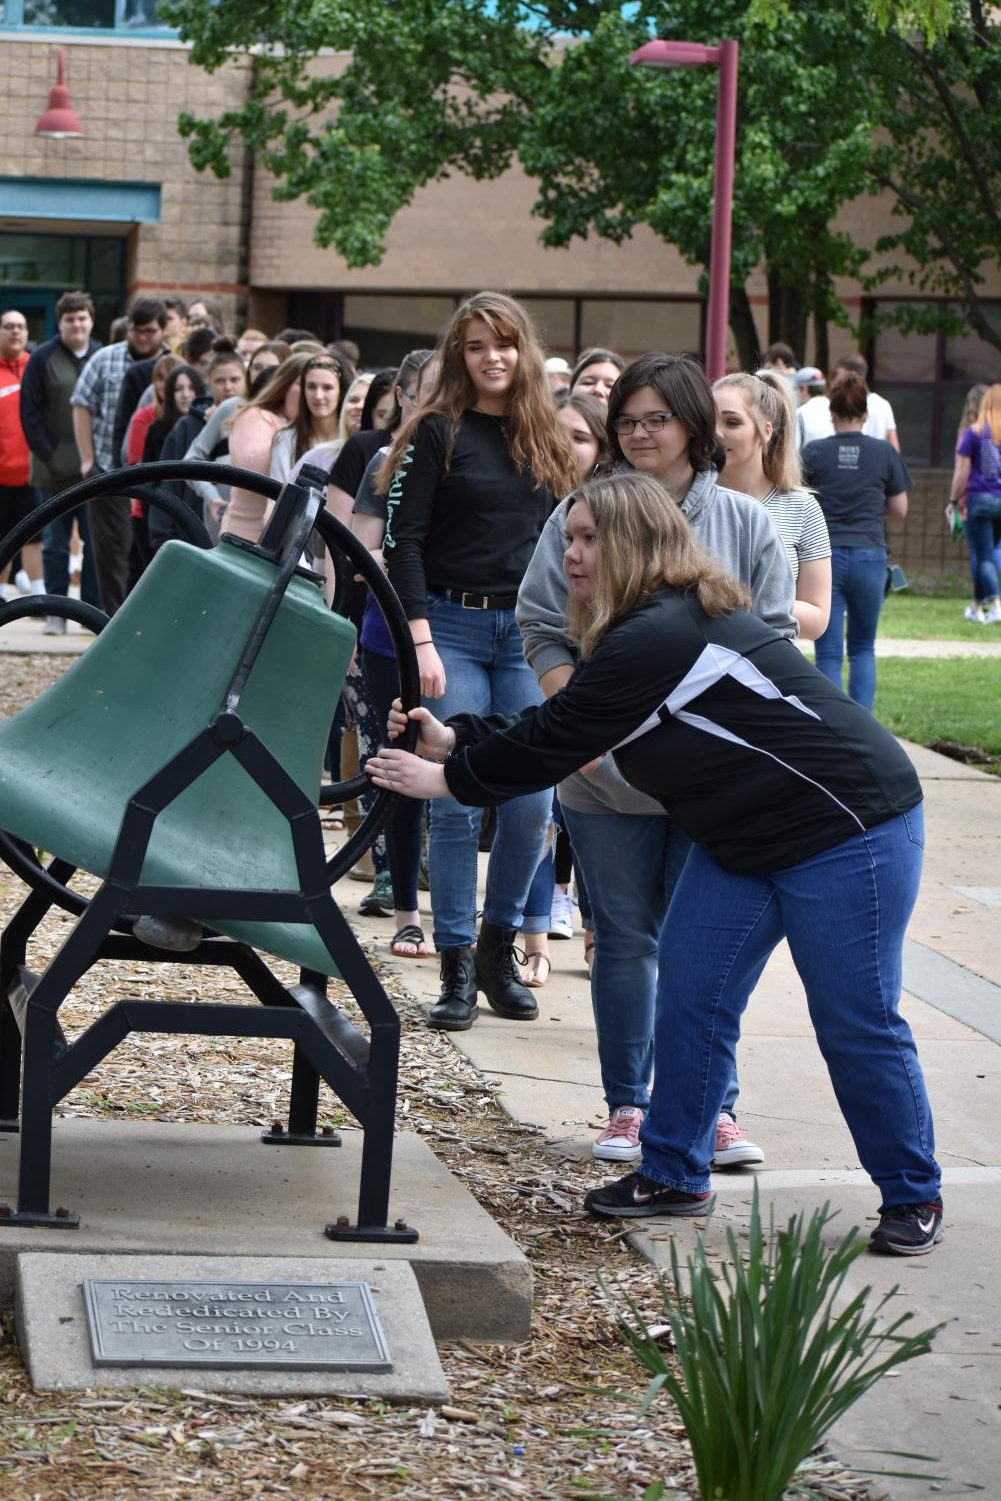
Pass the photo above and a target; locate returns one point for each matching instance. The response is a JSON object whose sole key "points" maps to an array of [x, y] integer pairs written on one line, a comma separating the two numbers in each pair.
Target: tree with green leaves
{"points": [[429, 87], [939, 103]]}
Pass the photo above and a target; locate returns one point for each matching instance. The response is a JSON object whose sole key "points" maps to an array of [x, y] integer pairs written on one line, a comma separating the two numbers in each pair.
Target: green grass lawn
{"points": [[955, 698], [917, 617]]}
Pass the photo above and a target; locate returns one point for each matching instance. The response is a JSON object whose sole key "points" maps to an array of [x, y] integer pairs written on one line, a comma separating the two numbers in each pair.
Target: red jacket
{"points": [[15, 458]]}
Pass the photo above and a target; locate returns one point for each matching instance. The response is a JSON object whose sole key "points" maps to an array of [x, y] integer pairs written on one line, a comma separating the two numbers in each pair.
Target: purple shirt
{"points": [[985, 461]]}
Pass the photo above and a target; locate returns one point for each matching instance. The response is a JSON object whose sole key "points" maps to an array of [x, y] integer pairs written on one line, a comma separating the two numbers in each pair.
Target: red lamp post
{"points": [[660, 54]]}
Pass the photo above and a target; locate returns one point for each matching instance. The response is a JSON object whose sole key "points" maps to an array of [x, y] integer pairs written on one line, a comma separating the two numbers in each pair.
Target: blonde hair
{"points": [[989, 415], [536, 441], [644, 542], [360, 383], [768, 396]]}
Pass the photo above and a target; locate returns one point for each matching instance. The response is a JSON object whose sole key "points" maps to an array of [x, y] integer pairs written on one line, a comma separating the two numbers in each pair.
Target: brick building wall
{"points": [[128, 96]]}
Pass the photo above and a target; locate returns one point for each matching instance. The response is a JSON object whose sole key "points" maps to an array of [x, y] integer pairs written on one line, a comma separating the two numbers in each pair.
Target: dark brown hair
{"points": [[849, 396], [682, 384], [593, 412], [74, 302]]}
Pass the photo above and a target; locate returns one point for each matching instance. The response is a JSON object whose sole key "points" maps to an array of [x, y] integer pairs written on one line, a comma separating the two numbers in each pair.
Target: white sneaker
{"points": [[993, 615], [733, 1149], [561, 915], [55, 625], [974, 612], [22, 581], [620, 1140]]}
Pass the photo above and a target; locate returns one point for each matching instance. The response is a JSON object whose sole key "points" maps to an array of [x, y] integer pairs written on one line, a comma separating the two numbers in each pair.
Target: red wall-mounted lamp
{"points": [[59, 122]]}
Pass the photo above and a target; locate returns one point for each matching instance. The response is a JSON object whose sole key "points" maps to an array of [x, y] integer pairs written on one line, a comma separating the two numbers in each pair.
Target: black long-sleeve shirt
{"points": [[752, 751], [470, 521]]}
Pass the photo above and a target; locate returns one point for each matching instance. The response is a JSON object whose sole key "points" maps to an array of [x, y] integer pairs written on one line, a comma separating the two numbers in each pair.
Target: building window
{"points": [[82, 15], [926, 378], [36, 268]]}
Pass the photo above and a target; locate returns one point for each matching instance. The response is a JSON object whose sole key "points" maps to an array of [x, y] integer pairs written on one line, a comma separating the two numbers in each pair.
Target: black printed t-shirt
{"points": [[466, 522], [853, 475], [353, 459]]}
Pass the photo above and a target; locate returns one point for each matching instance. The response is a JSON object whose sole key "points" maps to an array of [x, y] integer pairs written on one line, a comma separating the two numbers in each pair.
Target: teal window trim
{"points": [[79, 199]]}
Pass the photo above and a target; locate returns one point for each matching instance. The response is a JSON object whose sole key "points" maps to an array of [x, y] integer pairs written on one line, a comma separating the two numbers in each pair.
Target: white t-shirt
{"points": [[813, 419]]}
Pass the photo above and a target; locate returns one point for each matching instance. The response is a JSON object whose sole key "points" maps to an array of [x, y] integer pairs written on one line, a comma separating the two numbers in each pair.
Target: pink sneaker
{"points": [[733, 1148], [620, 1140]]}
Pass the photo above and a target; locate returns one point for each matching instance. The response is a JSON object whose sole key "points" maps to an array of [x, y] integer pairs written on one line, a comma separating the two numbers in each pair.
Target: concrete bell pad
{"points": [[52, 1326], [152, 1189]]}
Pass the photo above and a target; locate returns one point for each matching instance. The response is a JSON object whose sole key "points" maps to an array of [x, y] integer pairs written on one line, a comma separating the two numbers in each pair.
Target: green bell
{"points": [[153, 679]]}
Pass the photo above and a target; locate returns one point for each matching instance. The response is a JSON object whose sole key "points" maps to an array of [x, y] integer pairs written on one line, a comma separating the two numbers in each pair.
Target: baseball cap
{"points": [[809, 376], [557, 365]]}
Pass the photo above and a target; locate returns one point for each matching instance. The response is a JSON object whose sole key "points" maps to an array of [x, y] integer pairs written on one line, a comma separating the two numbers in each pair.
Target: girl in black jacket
{"points": [[807, 824]]}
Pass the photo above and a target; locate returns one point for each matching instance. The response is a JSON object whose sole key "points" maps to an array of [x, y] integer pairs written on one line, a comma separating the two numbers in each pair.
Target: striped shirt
{"points": [[800, 524]]}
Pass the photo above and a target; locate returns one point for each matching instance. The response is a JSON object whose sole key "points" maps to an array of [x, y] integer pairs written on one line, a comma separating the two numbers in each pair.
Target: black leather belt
{"points": [[470, 600]]}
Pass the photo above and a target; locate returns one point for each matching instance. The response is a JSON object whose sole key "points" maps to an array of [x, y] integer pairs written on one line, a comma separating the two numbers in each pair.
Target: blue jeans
{"points": [[844, 913], [631, 864], [858, 580], [485, 673], [983, 532], [56, 555]]}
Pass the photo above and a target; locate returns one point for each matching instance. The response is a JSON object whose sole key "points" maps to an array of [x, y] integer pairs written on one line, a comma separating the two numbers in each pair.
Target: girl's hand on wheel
{"points": [[435, 741], [399, 771]]}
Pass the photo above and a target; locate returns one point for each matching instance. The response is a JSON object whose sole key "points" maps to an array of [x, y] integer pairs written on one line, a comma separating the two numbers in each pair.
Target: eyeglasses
{"points": [[14, 328], [655, 422]]}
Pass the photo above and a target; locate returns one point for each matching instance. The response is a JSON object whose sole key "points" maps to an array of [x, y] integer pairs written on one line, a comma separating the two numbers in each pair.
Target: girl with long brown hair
{"points": [[469, 482], [252, 436]]}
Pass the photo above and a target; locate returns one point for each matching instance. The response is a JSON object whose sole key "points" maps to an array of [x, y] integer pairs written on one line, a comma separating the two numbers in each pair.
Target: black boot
{"points": [[497, 974], [455, 1009]]}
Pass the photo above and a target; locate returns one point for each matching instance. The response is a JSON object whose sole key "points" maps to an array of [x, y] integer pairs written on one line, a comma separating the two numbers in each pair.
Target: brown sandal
{"points": [[410, 943], [532, 973]]}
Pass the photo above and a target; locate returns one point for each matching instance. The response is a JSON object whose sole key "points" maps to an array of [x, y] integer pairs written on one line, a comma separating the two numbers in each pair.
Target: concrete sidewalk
{"points": [[946, 1405], [25, 637]]}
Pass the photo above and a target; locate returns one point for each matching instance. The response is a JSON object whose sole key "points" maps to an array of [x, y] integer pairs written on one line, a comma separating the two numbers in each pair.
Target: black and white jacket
{"points": [[723, 721]]}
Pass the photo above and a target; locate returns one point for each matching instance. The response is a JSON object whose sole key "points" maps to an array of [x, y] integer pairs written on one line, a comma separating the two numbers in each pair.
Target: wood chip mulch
{"points": [[557, 1417]]}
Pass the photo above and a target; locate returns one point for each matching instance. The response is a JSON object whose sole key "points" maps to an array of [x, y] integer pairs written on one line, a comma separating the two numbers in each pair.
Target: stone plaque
{"points": [[275, 1326]]}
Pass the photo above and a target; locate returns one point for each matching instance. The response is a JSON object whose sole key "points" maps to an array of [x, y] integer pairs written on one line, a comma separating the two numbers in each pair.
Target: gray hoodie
{"points": [[740, 535]]}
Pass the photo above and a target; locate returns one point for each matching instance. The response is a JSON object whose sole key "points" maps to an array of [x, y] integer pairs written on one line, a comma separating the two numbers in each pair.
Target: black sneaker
{"points": [[635, 1195], [907, 1229]]}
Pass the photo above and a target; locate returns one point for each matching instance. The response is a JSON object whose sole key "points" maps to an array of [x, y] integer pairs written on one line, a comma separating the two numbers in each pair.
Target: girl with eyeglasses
{"points": [[469, 483], [661, 423]]}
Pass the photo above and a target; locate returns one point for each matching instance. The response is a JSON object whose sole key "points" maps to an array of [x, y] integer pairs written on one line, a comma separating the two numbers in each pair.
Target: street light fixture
{"points": [[59, 122], [660, 54]]}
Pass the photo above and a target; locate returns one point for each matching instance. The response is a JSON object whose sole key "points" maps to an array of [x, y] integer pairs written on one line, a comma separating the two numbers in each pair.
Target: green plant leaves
{"points": [[770, 1351]]}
